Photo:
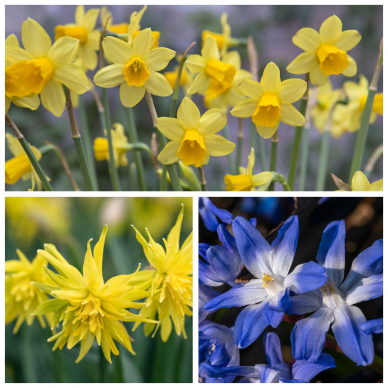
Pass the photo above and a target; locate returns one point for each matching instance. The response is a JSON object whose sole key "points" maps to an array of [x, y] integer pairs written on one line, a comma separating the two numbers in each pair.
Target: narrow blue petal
{"points": [[211, 331], [306, 277], [305, 371], [284, 247], [281, 301], [227, 239], [281, 380], [208, 217], [253, 222], [357, 345], [373, 326], [272, 348], [207, 276], [331, 253], [303, 304], [366, 289], [222, 214], [309, 335], [215, 371], [252, 246], [272, 375], [202, 249], [205, 294]]}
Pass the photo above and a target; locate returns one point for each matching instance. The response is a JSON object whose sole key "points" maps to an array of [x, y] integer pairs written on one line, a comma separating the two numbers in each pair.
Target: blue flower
{"points": [[209, 213], [334, 302], [268, 296], [277, 371], [216, 348], [373, 326], [205, 293]]}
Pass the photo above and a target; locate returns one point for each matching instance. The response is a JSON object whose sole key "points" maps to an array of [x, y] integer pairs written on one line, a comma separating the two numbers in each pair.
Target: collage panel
{"points": [[290, 290], [98, 290]]}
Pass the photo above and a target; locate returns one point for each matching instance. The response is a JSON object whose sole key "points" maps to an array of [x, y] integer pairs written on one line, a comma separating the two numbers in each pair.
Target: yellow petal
{"points": [[250, 88], [188, 114], [348, 40], [94, 39], [166, 327], [303, 63], [291, 116], [53, 98], [200, 84], [12, 41], [116, 50], [86, 344], [35, 39], [210, 49], [169, 153], [131, 95], [292, 90], [351, 70], [79, 15], [142, 43], [27, 102], [331, 30], [87, 56], [7, 104], [16, 54], [158, 58], [262, 178], [195, 63], [307, 39], [109, 76], [63, 51], [270, 81], [158, 85], [251, 162], [360, 182], [91, 18], [377, 186], [73, 77], [216, 145], [317, 78], [267, 132], [245, 108], [170, 128], [212, 122]]}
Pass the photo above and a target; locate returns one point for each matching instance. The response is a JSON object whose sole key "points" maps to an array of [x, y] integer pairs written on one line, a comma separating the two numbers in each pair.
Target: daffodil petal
{"points": [[195, 63], [291, 116], [131, 95], [170, 128], [87, 56], [250, 88], [211, 122], [16, 54], [109, 76], [35, 39], [303, 63], [216, 145], [245, 108], [11, 41], [377, 186], [351, 70], [94, 39], [116, 50], [7, 104], [73, 77], [270, 81], [79, 15], [188, 114], [292, 90], [158, 85], [307, 39], [360, 182], [262, 178], [348, 40], [210, 49], [267, 132], [53, 98], [91, 18], [169, 153], [27, 102], [317, 78], [200, 84], [158, 58], [142, 43], [331, 29], [63, 51]]}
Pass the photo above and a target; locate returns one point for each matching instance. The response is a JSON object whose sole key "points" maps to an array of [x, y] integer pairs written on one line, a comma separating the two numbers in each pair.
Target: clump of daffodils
{"points": [[172, 282]]}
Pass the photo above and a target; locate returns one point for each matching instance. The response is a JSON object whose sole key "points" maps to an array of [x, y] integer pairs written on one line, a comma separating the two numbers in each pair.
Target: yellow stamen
{"points": [[265, 279], [77, 32], [136, 72], [192, 149], [329, 287], [220, 71], [268, 111], [332, 59]]}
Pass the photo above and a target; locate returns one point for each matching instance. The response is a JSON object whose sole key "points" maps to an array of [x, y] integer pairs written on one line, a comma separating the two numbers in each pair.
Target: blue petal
{"points": [[211, 331], [253, 222], [215, 371], [207, 275], [306, 277], [202, 249], [366, 289], [373, 326], [227, 240], [305, 371], [272, 375], [367, 263], [222, 214], [303, 304], [284, 247], [331, 253], [239, 296], [272, 349], [205, 294], [281, 301], [309, 335], [282, 380], [357, 345], [252, 246], [208, 217]]}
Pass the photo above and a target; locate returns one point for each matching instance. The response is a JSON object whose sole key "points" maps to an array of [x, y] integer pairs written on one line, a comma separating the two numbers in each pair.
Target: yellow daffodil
{"points": [[20, 166], [88, 307], [42, 68], [186, 78], [208, 66], [135, 68], [357, 95], [12, 92], [134, 28], [361, 183], [325, 52], [120, 143], [193, 136], [84, 30], [327, 97], [21, 296], [107, 17], [223, 95], [270, 101], [172, 282], [246, 181], [340, 120]]}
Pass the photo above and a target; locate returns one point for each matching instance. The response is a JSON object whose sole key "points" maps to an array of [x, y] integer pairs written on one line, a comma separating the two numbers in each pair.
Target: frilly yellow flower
{"points": [[270, 101], [246, 181], [357, 95], [120, 143], [208, 66], [12, 92], [172, 282], [88, 307], [135, 68], [45, 67], [21, 296], [361, 183], [121, 28], [83, 30], [193, 136], [224, 95], [325, 52]]}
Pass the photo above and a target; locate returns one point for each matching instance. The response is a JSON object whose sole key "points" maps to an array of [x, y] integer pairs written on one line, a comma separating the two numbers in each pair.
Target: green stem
{"points": [[274, 156], [102, 365], [133, 177], [163, 180], [202, 179], [133, 138], [323, 160], [304, 158], [262, 155], [112, 166], [240, 140], [26, 147], [87, 141], [230, 157]]}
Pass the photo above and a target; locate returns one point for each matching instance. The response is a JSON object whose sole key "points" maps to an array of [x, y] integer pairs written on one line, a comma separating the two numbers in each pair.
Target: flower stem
{"points": [[298, 139], [364, 127], [230, 157], [27, 149], [240, 140], [323, 160], [202, 178], [133, 177], [133, 138], [162, 140], [304, 158], [377, 153], [274, 156], [262, 153]]}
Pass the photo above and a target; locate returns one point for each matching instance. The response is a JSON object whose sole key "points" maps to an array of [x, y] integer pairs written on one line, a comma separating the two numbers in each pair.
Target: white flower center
{"points": [[332, 297], [272, 284]]}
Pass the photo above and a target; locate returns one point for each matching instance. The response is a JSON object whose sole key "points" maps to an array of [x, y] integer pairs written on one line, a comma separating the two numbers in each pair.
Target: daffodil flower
{"points": [[361, 183], [223, 95], [193, 136], [120, 146], [186, 77], [106, 18], [88, 37], [246, 181], [269, 101], [357, 95], [12, 92], [340, 120], [208, 66], [42, 68], [134, 28], [135, 68], [171, 281], [325, 52], [20, 167], [88, 307]]}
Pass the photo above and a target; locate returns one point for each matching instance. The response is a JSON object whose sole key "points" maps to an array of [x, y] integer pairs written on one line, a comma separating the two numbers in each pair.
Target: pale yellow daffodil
{"points": [[325, 52], [193, 136], [269, 101], [361, 183]]}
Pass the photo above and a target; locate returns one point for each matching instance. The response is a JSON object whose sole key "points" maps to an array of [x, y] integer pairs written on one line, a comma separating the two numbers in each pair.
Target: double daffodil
{"points": [[135, 68], [193, 136], [325, 52], [269, 101]]}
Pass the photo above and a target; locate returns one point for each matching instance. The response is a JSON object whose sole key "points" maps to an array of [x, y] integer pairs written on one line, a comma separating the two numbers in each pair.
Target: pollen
{"points": [[265, 279]]}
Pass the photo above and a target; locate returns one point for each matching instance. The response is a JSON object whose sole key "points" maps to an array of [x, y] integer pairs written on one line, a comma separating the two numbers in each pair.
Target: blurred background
{"points": [[272, 28], [364, 225], [69, 223]]}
